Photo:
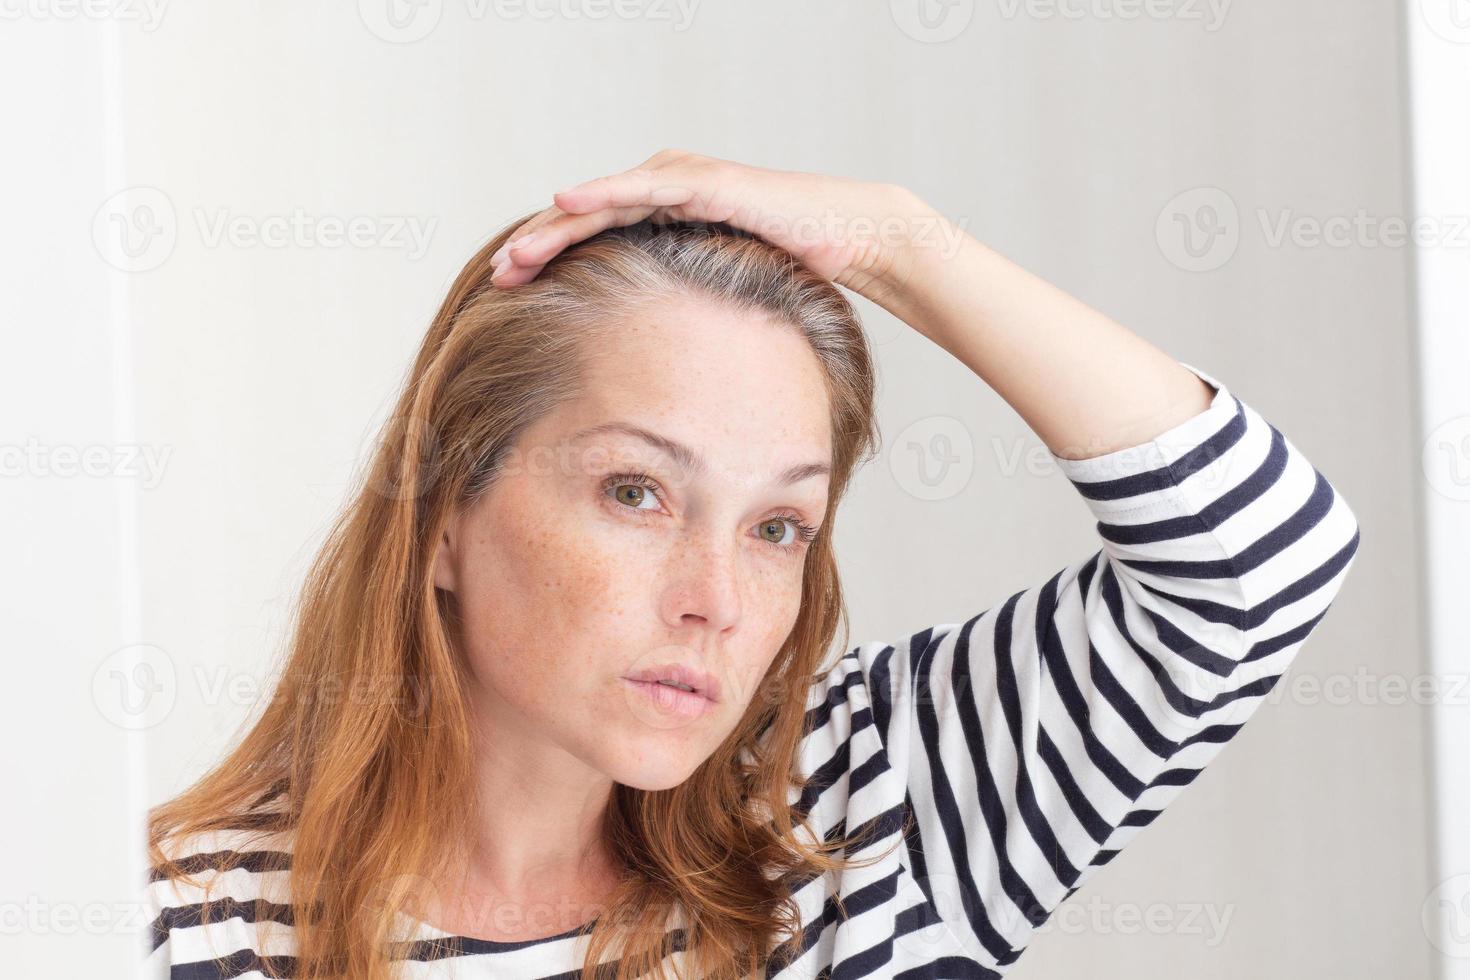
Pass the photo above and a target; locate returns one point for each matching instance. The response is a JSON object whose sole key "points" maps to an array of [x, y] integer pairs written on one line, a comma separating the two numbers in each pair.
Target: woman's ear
{"points": [[444, 560]]}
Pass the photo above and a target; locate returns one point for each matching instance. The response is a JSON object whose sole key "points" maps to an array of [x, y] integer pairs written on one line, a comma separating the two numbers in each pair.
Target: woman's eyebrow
{"points": [[687, 458]]}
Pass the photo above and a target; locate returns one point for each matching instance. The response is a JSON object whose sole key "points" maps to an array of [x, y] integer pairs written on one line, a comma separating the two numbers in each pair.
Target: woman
{"points": [[559, 690]]}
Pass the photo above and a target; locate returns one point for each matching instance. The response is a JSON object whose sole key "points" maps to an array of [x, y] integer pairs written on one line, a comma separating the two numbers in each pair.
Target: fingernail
{"points": [[523, 240], [504, 264]]}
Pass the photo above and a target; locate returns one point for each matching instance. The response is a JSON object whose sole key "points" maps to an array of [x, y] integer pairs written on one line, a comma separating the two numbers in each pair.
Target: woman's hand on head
{"points": [[859, 234]]}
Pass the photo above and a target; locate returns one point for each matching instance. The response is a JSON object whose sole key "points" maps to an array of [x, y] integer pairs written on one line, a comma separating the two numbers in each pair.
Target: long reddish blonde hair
{"points": [[371, 789]]}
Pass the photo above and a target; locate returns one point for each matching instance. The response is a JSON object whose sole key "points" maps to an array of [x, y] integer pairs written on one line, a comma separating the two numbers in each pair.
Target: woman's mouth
{"points": [[672, 698]]}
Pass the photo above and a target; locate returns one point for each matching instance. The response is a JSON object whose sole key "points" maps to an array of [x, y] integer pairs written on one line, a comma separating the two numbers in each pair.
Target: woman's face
{"points": [[573, 572]]}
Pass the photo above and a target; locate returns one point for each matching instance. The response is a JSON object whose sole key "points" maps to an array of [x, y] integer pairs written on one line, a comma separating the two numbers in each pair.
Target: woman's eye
{"points": [[774, 531], [635, 495]]}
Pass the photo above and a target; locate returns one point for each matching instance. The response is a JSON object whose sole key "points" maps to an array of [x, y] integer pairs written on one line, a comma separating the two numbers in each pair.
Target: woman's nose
{"points": [[706, 582]]}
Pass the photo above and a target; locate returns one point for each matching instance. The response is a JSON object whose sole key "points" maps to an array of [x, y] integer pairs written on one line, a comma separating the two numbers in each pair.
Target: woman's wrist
{"points": [[917, 241]]}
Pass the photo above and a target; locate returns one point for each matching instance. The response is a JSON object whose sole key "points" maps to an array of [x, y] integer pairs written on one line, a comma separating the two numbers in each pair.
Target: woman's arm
{"points": [[1084, 384], [1036, 738]]}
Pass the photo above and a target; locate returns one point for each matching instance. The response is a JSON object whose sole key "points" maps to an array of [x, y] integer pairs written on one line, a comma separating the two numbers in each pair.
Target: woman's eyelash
{"points": [[805, 532], [635, 479]]}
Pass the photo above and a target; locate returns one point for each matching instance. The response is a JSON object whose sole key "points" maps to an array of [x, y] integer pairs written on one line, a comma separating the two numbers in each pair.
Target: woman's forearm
{"points": [[1084, 384]]}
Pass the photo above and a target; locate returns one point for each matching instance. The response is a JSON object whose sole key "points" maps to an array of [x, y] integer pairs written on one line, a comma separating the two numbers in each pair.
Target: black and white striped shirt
{"points": [[1030, 742]]}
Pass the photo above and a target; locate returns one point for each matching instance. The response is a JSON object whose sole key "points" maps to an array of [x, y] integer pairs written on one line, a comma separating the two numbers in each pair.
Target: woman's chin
{"points": [[649, 768]]}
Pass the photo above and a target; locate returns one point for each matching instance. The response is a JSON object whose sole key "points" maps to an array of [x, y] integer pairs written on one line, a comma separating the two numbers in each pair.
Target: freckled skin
{"points": [[563, 588]]}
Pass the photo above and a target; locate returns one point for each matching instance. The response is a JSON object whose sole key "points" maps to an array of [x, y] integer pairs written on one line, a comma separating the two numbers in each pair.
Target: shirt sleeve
{"points": [[156, 948], [1038, 737]]}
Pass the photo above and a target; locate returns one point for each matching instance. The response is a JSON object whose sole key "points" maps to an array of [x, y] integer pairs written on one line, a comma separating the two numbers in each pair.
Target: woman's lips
{"points": [[704, 683], [672, 700]]}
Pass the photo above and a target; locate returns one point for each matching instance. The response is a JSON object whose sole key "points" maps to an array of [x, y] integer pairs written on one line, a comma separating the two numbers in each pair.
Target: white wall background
{"points": [[1439, 81], [1081, 138]]}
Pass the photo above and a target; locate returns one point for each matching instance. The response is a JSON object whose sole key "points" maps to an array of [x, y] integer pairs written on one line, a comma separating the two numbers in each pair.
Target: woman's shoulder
{"points": [[245, 860], [208, 893]]}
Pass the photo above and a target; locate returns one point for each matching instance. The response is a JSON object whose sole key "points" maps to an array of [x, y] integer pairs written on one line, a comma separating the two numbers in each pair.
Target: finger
{"points": [[523, 229], [531, 226], [553, 236], [632, 188], [529, 257]]}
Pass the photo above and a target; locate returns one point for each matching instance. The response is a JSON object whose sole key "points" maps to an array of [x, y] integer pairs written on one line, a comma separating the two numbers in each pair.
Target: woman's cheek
{"points": [[780, 581], [774, 607]]}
